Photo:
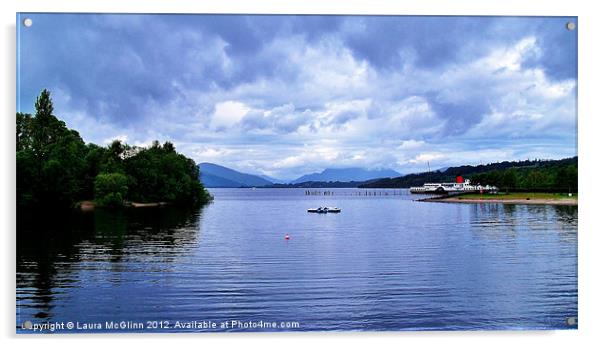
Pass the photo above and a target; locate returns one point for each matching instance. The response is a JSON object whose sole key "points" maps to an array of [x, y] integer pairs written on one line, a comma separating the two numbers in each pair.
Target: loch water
{"points": [[386, 262]]}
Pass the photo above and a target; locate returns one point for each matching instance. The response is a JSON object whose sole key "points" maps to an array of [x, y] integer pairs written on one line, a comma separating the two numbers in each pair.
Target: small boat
{"points": [[324, 210]]}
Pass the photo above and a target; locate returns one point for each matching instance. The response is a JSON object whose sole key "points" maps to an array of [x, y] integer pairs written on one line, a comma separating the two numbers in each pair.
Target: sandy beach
{"points": [[566, 202]]}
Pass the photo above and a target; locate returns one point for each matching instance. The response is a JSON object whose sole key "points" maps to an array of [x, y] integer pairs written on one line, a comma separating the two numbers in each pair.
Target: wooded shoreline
{"points": [[89, 205], [57, 169]]}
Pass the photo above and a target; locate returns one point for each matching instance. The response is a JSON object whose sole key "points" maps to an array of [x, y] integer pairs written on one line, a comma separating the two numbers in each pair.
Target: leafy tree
{"points": [[159, 173], [94, 162], [24, 125], [567, 178], [55, 168], [46, 128], [44, 105], [536, 179], [110, 189], [113, 160], [509, 179], [50, 158], [27, 179]]}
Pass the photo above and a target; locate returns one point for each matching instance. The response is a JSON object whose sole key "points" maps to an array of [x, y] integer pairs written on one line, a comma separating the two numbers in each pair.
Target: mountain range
{"points": [[346, 175], [217, 176]]}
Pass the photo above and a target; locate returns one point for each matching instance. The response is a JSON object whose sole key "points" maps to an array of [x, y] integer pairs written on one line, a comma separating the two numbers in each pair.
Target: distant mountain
{"points": [[272, 179], [346, 175], [216, 176], [213, 181], [312, 184]]}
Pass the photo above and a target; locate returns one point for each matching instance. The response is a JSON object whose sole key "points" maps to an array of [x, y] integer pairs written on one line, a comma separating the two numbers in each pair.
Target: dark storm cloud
{"points": [[321, 85]]}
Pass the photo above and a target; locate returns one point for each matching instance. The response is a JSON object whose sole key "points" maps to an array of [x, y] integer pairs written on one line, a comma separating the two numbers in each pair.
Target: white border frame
{"points": [[589, 167]]}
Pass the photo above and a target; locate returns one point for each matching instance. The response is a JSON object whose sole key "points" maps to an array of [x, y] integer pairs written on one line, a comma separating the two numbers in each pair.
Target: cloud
{"points": [[411, 144], [426, 157], [211, 153], [227, 114], [287, 95]]}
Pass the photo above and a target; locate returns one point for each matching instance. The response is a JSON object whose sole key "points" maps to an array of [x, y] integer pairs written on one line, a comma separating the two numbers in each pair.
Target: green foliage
{"points": [[110, 189], [24, 124], [548, 176], [50, 158], [161, 174], [94, 159], [567, 177], [532, 175], [44, 105], [56, 168], [509, 178]]}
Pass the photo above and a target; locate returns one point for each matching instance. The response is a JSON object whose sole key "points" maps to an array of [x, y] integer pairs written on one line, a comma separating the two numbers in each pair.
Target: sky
{"points": [[289, 95]]}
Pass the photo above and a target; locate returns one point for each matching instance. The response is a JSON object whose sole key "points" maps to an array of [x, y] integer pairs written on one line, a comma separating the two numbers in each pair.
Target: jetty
{"points": [[359, 192]]}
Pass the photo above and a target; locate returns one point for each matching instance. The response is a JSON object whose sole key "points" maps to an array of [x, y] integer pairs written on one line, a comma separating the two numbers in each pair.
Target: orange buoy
{"points": [[286, 237]]}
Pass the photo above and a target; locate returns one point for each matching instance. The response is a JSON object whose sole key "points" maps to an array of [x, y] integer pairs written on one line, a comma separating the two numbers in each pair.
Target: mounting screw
{"points": [[570, 26]]}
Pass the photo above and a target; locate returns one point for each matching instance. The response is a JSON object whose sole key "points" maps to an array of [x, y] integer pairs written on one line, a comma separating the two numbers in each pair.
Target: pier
{"points": [[392, 192]]}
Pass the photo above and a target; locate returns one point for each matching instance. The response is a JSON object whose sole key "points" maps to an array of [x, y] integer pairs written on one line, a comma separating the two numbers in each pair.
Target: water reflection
{"points": [[52, 247], [384, 263]]}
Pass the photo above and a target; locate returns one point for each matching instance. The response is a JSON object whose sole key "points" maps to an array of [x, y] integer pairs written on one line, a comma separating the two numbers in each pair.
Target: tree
{"points": [[44, 105], [537, 179], [113, 160], [159, 173], [55, 168], [110, 189], [566, 178], [45, 127], [169, 147], [50, 158], [24, 121], [94, 159], [509, 179]]}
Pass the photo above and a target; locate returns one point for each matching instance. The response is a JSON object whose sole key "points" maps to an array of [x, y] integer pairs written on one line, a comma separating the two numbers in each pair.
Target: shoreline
{"points": [[566, 202], [89, 205]]}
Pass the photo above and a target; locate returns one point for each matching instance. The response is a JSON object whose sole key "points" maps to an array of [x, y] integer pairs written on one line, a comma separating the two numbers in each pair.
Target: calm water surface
{"points": [[385, 262]]}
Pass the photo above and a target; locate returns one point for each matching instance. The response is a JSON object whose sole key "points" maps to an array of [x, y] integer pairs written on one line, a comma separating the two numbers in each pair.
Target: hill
{"points": [[545, 175], [273, 179], [217, 176]]}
